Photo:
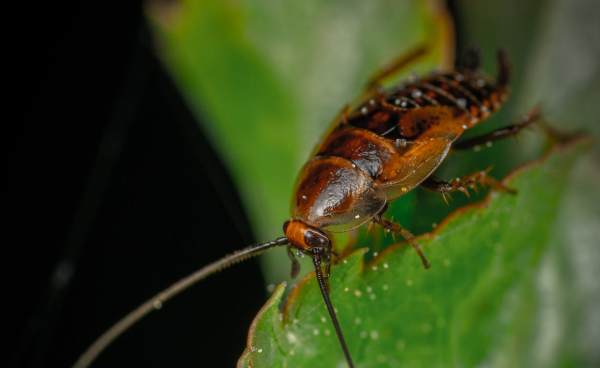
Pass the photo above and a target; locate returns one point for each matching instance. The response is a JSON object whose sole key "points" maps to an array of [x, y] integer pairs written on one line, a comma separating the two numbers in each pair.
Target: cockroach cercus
{"points": [[387, 143]]}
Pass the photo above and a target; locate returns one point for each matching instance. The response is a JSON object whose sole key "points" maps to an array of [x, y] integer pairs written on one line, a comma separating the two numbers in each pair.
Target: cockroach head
{"points": [[305, 237]]}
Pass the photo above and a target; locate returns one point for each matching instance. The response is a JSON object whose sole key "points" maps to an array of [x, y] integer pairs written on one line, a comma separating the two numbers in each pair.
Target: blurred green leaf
{"points": [[476, 306], [555, 49]]}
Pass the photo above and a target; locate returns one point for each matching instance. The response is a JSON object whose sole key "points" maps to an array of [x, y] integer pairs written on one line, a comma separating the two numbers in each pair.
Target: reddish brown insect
{"points": [[378, 150]]}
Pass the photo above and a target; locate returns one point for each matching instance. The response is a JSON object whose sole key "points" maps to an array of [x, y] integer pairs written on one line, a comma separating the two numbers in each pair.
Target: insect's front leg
{"points": [[396, 228]]}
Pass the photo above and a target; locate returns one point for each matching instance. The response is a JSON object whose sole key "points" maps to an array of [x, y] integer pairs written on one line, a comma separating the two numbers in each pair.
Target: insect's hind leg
{"points": [[463, 184], [512, 130], [472, 58], [374, 90], [395, 228], [397, 65]]}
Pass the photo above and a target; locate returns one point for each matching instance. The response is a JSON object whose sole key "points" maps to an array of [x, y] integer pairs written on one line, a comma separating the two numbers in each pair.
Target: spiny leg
{"points": [[396, 66], [374, 93], [438, 185], [533, 116], [395, 228]]}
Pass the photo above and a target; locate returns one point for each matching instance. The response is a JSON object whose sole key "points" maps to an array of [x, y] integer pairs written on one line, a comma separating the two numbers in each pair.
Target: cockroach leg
{"points": [[397, 65], [369, 227], [295, 264], [463, 184], [554, 134], [483, 178], [503, 73], [343, 114], [327, 258], [435, 184], [397, 229], [472, 58], [337, 256], [533, 116]]}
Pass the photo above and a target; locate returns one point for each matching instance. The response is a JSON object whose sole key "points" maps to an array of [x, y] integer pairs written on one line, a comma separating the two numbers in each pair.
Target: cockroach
{"points": [[381, 147]]}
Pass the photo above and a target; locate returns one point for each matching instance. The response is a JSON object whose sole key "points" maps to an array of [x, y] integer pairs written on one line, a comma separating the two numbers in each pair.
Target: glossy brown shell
{"points": [[398, 165], [388, 145], [331, 193]]}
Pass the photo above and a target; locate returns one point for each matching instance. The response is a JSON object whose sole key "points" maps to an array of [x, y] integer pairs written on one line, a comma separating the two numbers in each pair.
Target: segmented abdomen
{"points": [[472, 93], [466, 91]]}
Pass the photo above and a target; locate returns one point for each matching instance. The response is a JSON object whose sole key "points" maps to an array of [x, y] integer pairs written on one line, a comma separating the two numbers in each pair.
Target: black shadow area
{"points": [[109, 193]]}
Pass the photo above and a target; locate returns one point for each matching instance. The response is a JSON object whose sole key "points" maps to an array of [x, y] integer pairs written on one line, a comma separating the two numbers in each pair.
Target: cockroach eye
{"points": [[315, 239]]}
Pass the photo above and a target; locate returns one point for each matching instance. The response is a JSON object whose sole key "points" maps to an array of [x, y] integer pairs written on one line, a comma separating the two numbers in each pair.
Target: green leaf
{"points": [[477, 305]]}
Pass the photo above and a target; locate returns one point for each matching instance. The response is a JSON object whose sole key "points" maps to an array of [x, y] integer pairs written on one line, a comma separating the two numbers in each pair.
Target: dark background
{"points": [[109, 193]]}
